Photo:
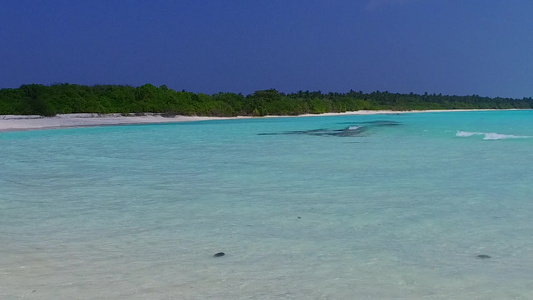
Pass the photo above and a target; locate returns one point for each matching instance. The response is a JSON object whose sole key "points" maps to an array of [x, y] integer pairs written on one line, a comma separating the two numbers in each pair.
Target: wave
{"points": [[353, 127], [491, 135]]}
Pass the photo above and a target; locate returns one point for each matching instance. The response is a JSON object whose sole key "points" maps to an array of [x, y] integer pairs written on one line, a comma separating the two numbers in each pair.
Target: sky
{"points": [[454, 47]]}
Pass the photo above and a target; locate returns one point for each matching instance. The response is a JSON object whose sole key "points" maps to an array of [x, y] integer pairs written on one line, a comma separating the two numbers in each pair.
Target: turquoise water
{"points": [[344, 207]]}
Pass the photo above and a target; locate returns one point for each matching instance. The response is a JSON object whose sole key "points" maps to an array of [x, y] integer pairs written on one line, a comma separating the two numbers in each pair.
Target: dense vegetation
{"points": [[36, 99]]}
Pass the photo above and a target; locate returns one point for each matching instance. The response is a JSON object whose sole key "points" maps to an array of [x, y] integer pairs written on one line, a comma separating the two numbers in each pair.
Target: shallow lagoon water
{"points": [[400, 208]]}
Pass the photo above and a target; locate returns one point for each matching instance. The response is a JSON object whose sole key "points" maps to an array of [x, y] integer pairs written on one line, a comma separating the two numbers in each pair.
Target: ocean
{"points": [[393, 206]]}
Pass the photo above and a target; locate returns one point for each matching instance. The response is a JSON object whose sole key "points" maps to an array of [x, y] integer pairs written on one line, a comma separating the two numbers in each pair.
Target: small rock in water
{"points": [[219, 254], [483, 256], [299, 217]]}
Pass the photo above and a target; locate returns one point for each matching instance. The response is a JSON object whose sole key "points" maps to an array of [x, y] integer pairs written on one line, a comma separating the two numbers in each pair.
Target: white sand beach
{"points": [[33, 122]]}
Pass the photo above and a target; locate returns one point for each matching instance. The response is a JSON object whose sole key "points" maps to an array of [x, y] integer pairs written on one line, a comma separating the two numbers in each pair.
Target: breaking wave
{"points": [[491, 135]]}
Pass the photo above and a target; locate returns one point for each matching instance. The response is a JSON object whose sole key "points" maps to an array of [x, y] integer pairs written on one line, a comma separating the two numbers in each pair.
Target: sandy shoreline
{"points": [[30, 122]]}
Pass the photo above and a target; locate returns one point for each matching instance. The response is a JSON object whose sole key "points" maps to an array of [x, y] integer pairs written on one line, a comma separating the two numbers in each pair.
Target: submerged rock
{"points": [[219, 254], [483, 256]]}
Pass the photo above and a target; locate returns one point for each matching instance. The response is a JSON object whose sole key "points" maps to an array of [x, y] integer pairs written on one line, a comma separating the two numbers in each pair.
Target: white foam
{"points": [[467, 133], [353, 127], [497, 136], [491, 135]]}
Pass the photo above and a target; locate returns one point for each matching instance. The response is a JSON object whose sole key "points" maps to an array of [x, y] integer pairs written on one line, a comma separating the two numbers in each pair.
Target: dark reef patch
{"points": [[352, 131], [356, 129], [376, 123]]}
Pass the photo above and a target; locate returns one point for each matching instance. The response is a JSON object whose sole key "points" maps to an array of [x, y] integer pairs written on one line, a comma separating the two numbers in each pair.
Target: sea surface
{"points": [[406, 206]]}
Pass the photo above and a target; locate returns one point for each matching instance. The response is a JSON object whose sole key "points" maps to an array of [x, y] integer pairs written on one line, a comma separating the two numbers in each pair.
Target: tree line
{"points": [[37, 99]]}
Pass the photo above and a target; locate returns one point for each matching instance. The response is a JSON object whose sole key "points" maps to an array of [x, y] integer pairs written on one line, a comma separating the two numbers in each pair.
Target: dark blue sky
{"points": [[456, 47]]}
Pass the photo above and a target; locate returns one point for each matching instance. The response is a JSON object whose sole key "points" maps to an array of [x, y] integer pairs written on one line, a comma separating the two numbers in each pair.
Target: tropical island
{"points": [[50, 100]]}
